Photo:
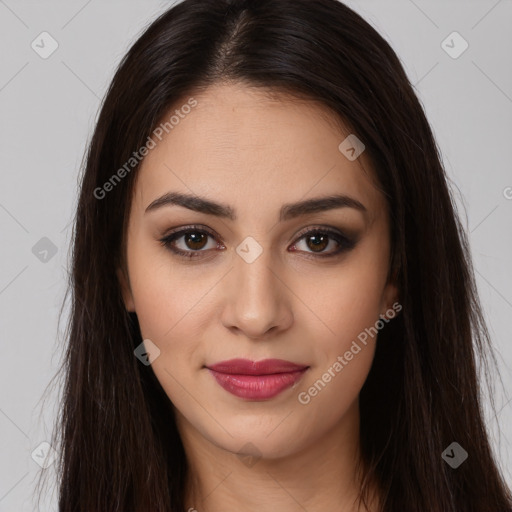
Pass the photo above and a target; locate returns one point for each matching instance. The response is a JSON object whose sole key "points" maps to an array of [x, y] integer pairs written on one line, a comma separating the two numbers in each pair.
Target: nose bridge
{"points": [[256, 278], [256, 299]]}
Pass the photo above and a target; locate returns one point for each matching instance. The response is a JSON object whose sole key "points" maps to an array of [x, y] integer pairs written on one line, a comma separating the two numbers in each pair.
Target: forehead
{"points": [[241, 144]]}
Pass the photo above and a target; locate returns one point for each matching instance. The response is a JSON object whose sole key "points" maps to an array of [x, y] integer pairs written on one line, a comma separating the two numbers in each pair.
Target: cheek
{"points": [[168, 297], [345, 301], [169, 313], [345, 346], [164, 311], [171, 320], [343, 313], [332, 391]]}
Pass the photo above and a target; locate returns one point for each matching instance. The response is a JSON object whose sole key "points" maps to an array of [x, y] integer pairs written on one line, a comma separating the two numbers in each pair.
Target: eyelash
{"points": [[345, 243]]}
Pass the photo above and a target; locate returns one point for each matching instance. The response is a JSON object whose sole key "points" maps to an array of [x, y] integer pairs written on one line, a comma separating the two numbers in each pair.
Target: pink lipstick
{"points": [[256, 380]]}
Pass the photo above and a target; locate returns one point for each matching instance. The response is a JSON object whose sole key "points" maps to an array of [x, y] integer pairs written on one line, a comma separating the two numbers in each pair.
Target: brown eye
{"points": [[195, 240], [316, 241], [190, 242]]}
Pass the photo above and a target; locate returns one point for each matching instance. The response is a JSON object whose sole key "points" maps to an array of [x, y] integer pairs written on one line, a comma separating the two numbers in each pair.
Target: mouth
{"points": [[257, 380]]}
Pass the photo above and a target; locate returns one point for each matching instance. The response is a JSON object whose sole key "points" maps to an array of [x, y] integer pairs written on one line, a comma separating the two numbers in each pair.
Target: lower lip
{"points": [[257, 387]]}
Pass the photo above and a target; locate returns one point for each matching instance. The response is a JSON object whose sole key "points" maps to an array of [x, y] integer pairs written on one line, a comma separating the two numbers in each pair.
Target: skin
{"points": [[254, 153]]}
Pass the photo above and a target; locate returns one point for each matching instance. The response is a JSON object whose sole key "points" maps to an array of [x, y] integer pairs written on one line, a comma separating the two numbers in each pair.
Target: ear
{"points": [[126, 290], [391, 297]]}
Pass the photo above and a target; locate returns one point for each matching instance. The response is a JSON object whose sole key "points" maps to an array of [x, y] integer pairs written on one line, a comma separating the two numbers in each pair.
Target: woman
{"points": [[273, 299]]}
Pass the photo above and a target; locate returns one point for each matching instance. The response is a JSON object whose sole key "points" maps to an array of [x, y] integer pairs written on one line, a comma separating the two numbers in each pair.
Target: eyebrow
{"points": [[288, 211]]}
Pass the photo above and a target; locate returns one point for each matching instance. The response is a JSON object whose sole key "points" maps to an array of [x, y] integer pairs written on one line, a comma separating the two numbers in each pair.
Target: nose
{"points": [[258, 302]]}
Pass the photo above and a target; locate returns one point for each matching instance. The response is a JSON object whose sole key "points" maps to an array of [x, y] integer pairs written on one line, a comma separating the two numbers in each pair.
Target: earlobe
{"points": [[126, 291]]}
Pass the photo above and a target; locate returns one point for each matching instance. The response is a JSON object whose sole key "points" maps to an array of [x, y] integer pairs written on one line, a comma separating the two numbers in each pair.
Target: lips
{"points": [[248, 367], [256, 380]]}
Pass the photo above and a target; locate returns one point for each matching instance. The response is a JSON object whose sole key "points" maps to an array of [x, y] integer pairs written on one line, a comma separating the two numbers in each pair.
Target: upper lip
{"points": [[263, 367]]}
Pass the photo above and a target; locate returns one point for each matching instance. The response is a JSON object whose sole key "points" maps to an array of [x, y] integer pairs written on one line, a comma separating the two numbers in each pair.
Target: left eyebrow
{"points": [[320, 204], [288, 211]]}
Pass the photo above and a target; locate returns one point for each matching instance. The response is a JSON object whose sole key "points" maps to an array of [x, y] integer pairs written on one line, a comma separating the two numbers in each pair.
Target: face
{"points": [[246, 273]]}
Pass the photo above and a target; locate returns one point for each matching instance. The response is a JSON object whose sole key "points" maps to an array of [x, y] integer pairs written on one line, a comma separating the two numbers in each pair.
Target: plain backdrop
{"points": [[48, 107]]}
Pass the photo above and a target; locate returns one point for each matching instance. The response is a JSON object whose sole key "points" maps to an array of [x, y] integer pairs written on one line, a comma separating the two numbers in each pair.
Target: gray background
{"points": [[48, 107]]}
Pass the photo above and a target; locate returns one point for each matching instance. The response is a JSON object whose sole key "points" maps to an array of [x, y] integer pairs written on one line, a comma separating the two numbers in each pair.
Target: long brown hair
{"points": [[119, 447]]}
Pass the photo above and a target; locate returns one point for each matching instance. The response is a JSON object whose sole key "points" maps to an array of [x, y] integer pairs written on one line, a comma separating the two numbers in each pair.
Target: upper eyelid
{"points": [[182, 231], [211, 232]]}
